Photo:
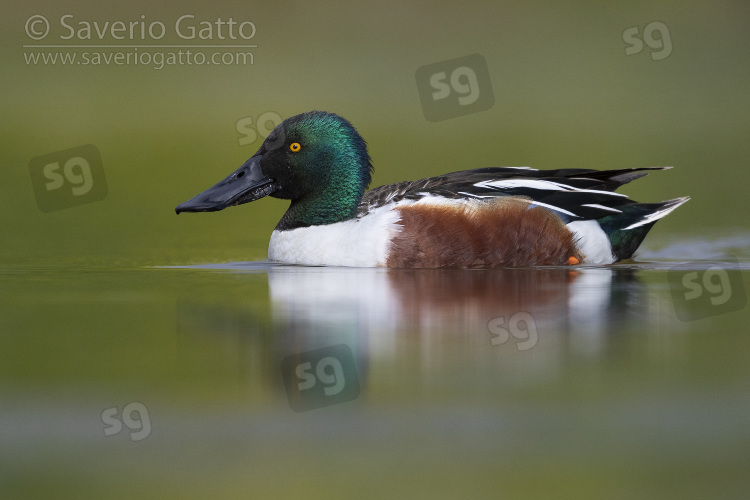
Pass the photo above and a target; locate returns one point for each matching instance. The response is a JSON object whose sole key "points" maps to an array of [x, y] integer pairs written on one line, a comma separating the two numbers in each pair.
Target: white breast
{"points": [[352, 243]]}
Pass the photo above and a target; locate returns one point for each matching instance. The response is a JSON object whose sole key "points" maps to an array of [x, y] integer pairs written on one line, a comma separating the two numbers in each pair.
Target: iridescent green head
{"points": [[317, 160]]}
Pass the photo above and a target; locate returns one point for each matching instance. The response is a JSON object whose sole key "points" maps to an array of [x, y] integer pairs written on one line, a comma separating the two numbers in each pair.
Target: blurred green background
{"points": [[566, 95]]}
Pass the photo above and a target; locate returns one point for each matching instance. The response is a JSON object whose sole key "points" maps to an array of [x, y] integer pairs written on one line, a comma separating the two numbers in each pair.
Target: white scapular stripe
{"points": [[533, 203], [542, 185], [602, 207]]}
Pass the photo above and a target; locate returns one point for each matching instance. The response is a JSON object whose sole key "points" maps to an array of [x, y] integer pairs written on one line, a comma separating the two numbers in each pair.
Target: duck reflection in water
{"points": [[430, 317], [310, 305]]}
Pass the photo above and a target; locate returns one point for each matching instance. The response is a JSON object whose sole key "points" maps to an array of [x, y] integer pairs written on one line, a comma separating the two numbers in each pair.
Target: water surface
{"points": [[585, 382]]}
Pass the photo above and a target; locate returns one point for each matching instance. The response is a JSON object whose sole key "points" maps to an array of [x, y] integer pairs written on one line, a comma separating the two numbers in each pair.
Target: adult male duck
{"points": [[489, 217]]}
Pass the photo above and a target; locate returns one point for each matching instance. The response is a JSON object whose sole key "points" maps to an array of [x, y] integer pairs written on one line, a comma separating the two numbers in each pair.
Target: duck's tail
{"points": [[626, 230]]}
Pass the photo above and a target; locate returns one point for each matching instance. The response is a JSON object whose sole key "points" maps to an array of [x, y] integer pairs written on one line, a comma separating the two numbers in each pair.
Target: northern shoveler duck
{"points": [[489, 217]]}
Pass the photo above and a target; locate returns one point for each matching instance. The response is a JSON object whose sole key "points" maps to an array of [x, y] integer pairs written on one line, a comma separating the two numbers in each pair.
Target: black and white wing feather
{"points": [[574, 194]]}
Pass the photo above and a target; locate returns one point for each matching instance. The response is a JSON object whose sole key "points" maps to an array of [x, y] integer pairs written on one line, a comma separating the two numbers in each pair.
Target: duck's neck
{"points": [[324, 208]]}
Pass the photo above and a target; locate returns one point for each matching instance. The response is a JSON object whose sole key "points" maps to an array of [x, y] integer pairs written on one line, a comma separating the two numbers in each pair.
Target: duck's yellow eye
{"points": [[294, 147]]}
